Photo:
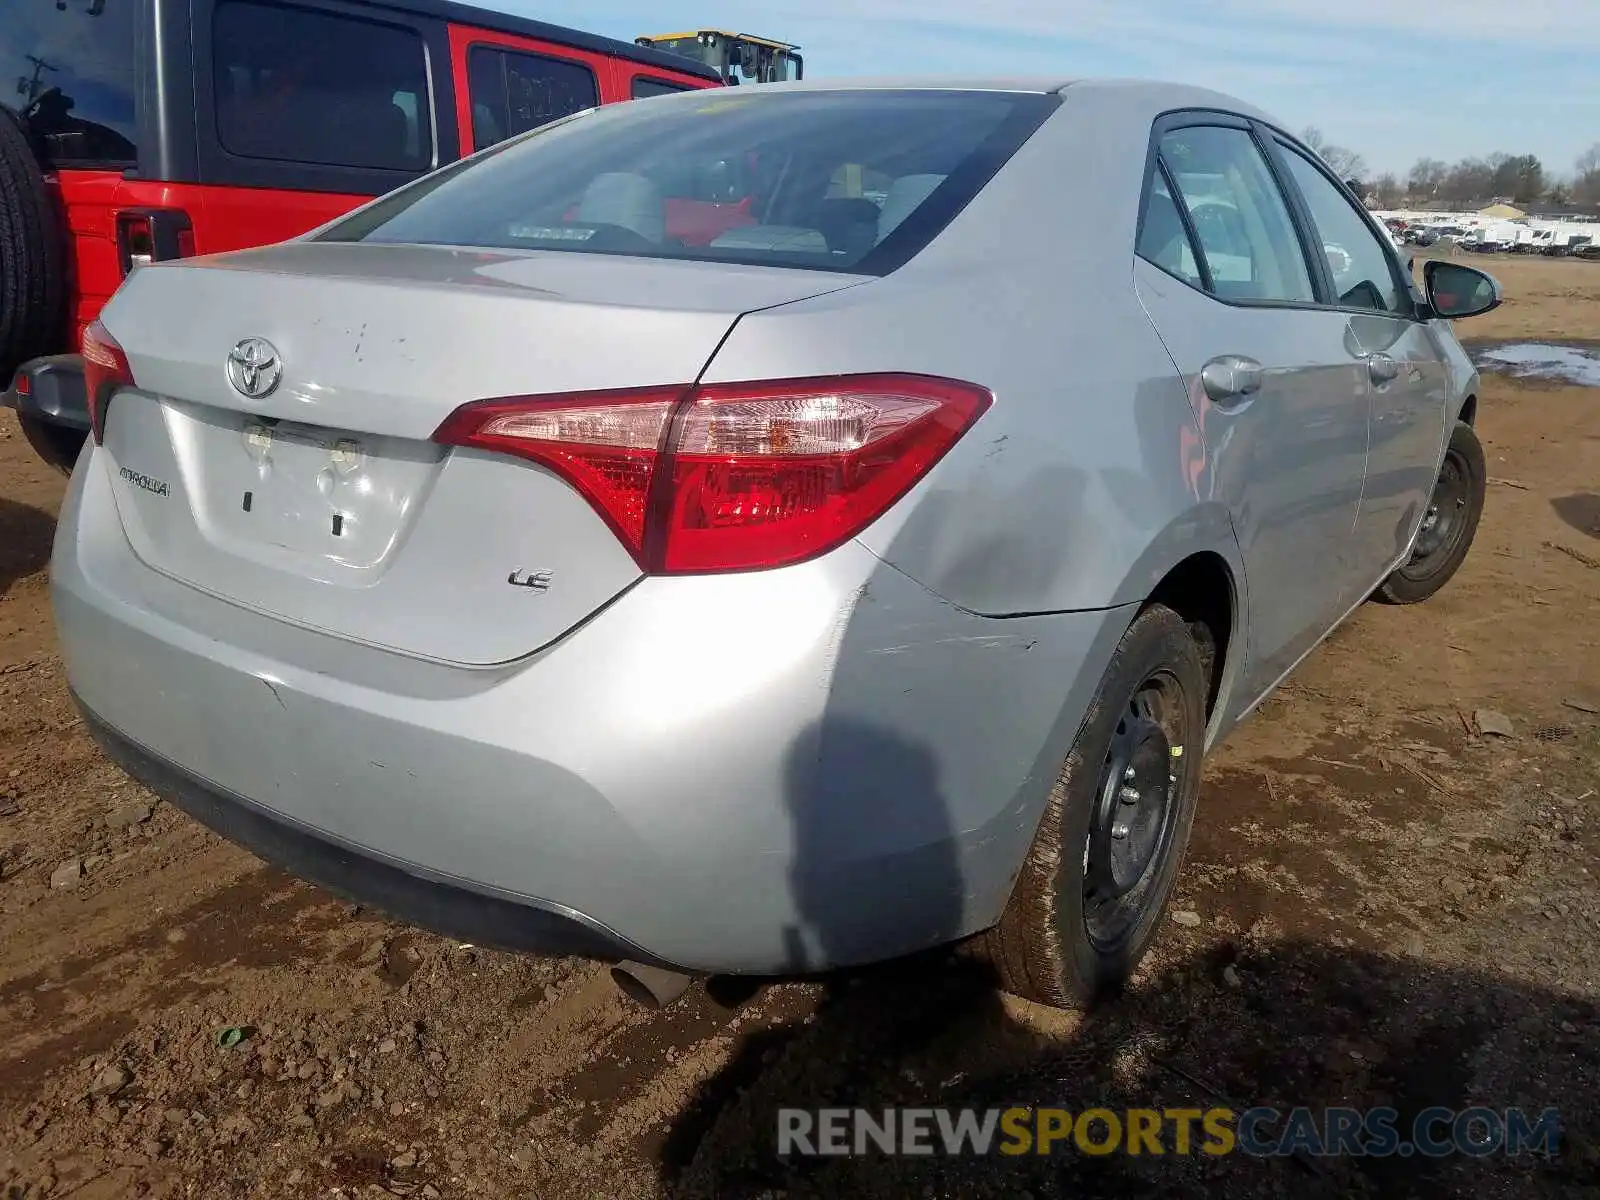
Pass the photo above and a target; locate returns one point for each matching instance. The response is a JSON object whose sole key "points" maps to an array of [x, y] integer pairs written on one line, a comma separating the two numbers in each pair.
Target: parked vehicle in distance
{"points": [[157, 129], [855, 581]]}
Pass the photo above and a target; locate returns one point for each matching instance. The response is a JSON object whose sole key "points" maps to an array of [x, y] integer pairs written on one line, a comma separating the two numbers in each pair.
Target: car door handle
{"points": [[1231, 377], [1382, 369]]}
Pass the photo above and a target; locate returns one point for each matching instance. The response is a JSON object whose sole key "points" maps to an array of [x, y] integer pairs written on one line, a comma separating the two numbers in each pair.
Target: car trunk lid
{"points": [[324, 502]]}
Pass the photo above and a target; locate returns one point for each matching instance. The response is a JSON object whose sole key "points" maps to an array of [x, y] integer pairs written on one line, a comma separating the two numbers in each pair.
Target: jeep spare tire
{"points": [[31, 255]]}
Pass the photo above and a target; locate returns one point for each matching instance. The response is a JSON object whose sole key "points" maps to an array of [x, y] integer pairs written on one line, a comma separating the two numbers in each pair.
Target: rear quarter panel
{"points": [[1078, 488]]}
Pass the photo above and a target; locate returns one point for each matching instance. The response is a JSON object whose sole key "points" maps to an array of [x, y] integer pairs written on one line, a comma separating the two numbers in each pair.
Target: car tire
{"points": [[1059, 941], [32, 270], [1448, 526]]}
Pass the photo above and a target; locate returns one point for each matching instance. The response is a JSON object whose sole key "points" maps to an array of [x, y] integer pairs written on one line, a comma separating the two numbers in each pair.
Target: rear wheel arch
{"points": [[1203, 590], [1469, 410]]}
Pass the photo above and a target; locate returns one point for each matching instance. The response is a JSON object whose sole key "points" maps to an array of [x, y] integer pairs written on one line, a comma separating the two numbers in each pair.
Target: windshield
{"points": [[855, 180], [68, 68], [689, 47]]}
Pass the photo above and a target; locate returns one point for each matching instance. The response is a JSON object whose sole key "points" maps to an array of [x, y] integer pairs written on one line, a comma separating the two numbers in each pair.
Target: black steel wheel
{"points": [[1134, 816], [1096, 881], [1449, 524]]}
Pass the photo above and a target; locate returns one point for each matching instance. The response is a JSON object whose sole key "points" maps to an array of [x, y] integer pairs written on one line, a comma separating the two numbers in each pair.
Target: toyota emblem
{"points": [[254, 368]]}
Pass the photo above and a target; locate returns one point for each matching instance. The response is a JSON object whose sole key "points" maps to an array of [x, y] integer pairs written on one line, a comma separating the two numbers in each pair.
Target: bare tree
{"points": [[1388, 190], [1346, 164], [1426, 176], [1466, 181], [1586, 182]]}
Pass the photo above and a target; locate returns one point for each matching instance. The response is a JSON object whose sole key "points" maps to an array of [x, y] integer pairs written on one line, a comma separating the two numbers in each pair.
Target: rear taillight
{"points": [[105, 369], [734, 477], [147, 235]]}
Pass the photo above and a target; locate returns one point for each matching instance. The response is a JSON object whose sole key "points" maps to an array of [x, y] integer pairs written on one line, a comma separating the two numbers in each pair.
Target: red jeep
{"points": [[151, 129]]}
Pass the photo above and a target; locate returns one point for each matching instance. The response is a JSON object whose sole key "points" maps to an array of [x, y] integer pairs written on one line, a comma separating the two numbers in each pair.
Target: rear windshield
{"points": [[69, 70], [839, 180]]}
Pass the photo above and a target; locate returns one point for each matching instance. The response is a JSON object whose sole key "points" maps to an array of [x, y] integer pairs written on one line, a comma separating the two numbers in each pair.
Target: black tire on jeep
{"points": [[32, 266]]}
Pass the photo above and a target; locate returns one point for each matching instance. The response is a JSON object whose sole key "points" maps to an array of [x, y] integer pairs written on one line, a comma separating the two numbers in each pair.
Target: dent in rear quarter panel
{"points": [[1081, 486]]}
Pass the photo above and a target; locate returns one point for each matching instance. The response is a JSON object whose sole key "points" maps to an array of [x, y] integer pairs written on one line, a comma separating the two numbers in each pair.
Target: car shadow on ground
{"points": [[1294, 1025], [1581, 511], [25, 538], [1281, 1024]]}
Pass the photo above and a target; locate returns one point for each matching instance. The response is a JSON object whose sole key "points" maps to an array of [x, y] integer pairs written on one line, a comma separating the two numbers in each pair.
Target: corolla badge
{"points": [[254, 368]]}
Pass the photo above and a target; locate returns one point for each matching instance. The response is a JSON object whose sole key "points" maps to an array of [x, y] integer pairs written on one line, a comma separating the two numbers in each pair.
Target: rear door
{"points": [[1225, 273], [306, 108]]}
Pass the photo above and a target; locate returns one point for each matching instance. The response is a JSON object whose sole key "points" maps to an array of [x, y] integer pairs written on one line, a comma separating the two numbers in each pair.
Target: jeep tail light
{"points": [[105, 369], [734, 477], [147, 235]]}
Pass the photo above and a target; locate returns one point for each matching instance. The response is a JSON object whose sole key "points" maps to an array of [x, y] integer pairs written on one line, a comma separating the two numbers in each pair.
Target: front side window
{"points": [[300, 85], [1363, 274], [69, 71], [855, 180], [513, 92], [1247, 238]]}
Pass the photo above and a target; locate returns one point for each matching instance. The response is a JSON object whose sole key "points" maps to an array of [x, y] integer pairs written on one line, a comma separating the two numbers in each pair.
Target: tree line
{"points": [[1520, 178]]}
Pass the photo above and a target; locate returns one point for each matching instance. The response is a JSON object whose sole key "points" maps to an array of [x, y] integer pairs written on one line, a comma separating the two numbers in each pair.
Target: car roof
{"points": [[577, 39]]}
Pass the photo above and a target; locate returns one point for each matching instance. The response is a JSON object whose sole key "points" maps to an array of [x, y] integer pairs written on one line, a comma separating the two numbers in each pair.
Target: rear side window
{"points": [[1247, 240], [1163, 240], [513, 92], [644, 86], [301, 85], [853, 180], [69, 70]]}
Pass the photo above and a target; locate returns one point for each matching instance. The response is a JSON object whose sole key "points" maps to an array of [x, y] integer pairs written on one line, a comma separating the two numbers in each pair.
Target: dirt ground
{"points": [[1394, 908]]}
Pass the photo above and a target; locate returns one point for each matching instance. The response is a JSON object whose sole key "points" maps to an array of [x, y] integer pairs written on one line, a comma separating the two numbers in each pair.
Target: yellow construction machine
{"points": [[738, 57]]}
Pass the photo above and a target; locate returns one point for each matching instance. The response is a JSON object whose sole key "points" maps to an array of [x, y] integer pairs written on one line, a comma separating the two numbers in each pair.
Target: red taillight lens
{"points": [[105, 369], [735, 477], [605, 444]]}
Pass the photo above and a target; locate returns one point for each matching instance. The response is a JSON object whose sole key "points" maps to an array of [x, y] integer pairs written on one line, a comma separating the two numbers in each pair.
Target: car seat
{"points": [[627, 200], [906, 194], [850, 224]]}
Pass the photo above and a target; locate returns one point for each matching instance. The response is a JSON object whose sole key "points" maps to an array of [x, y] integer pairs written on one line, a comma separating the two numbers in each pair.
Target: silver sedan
{"points": [[765, 530]]}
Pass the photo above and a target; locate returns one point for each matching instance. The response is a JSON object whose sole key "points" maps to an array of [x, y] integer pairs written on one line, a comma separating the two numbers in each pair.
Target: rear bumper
{"points": [[406, 891], [50, 390], [791, 770], [52, 407]]}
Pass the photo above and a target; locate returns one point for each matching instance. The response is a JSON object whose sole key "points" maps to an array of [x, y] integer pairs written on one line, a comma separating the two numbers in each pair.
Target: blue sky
{"points": [[1393, 79]]}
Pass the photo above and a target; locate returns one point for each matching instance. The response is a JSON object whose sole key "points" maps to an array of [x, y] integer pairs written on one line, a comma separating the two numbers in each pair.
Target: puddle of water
{"points": [[1543, 360]]}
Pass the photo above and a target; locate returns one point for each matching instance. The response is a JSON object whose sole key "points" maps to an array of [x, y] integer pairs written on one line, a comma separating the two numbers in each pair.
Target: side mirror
{"points": [[1455, 291]]}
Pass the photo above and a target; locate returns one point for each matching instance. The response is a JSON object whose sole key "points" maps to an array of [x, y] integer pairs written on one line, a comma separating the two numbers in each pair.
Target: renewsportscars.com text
{"points": [[1261, 1132]]}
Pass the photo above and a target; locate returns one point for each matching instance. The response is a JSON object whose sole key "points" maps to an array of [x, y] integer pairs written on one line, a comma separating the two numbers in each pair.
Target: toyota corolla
{"points": [[765, 530]]}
